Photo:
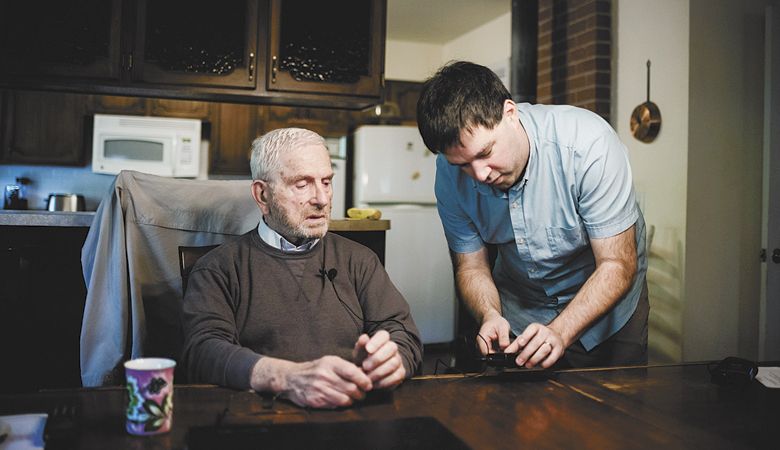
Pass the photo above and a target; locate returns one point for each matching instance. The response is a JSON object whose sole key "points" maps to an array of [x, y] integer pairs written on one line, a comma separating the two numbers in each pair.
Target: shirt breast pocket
{"points": [[566, 241]]}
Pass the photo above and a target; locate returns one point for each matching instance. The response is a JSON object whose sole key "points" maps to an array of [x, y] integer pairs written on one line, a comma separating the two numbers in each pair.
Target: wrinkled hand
{"points": [[328, 382], [494, 329], [538, 344], [379, 358]]}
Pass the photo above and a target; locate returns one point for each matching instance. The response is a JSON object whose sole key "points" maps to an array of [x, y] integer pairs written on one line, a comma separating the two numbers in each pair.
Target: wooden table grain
{"points": [[640, 407]]}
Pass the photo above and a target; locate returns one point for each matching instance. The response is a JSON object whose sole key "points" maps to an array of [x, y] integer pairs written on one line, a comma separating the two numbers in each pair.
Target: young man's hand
{"points": [[537, 345], [493, 334]]}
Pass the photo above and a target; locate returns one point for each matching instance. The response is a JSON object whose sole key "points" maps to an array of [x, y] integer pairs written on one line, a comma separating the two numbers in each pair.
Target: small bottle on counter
{"points": [[15, 196]]}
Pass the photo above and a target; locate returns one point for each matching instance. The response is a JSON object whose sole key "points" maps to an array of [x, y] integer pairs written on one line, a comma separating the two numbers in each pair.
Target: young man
{"points": [[550, 187], [289, 308]]}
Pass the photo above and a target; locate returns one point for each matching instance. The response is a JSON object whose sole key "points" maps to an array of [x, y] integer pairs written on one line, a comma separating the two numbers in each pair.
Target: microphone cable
{"points": [[330, 274]]}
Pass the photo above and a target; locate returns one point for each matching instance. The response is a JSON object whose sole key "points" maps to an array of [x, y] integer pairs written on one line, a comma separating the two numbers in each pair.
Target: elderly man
{"points": [[550, 187], [289, 308]]}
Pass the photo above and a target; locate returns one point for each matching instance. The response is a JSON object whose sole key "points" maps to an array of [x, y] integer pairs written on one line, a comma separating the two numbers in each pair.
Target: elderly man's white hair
{"points": [[266, 149]]}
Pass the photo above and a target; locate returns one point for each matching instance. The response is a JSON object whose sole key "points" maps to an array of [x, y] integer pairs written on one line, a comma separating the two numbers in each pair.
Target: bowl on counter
{"points": [[65, 202]]}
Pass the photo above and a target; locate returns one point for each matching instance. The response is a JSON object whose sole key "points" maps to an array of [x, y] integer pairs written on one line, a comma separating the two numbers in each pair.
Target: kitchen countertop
{"points": [[41, 218]]}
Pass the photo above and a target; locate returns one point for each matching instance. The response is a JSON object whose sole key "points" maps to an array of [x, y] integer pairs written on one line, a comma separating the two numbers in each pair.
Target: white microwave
{"points": [[157, 145]]}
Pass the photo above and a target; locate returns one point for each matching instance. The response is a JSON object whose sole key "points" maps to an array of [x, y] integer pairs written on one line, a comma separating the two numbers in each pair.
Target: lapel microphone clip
{"points": [[330, 274]]}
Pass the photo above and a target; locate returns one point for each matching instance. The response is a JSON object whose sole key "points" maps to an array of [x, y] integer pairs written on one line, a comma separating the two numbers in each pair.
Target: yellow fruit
{"points": [[364, 213]]}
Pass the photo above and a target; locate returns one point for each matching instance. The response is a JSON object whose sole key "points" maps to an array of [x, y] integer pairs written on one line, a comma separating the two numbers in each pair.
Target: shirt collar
{"points": [[526, 123], [276, 240]]}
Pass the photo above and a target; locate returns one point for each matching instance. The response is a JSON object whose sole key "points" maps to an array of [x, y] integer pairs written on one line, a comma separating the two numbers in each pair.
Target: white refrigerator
{"points": [[394, 172]]}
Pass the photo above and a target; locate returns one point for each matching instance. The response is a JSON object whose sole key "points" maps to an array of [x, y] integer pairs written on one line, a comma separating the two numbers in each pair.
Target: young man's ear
{"points": [[260, 192], [510, 108]]}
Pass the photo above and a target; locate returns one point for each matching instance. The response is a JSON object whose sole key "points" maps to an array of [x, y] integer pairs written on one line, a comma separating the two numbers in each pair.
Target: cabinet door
{"points": [[42, 297], [112, 104], [44, 128], [326, 122], [405, 95], [196, 42], [67, 38], [186, 109], [334, 48], [234, 127]]}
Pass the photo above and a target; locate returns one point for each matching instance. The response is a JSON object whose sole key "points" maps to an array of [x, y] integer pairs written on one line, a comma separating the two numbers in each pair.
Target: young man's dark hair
{"points": [[461, 95]]}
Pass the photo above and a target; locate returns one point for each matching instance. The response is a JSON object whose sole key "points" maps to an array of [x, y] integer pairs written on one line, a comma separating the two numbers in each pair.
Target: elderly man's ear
{"points": [[260, 191]]}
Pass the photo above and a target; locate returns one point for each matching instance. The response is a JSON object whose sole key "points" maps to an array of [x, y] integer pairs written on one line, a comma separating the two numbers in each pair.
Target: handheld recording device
{"points": [[500, 359]]}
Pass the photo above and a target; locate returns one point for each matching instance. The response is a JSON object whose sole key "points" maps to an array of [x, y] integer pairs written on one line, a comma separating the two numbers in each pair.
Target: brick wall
{"points": [[574, 59]]}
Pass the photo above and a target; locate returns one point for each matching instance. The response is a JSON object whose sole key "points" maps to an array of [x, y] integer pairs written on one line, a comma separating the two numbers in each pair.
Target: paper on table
{"points": [[769, 376], [26, 431]]}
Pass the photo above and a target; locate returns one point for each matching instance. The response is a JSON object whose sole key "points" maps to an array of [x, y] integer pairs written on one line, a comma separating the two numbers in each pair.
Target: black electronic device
{"points": [[500, 359], [733, 371]]}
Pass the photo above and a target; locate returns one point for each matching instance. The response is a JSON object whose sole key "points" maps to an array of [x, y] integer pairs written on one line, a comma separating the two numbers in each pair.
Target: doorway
{"points": [[769, 314]]}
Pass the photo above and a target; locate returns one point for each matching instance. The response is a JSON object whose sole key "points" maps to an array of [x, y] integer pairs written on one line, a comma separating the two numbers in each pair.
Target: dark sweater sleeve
{"points": [[212, 353], [384, 308]]}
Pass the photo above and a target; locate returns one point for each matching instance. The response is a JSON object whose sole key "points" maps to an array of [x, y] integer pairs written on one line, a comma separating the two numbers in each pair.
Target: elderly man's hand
{"points": [[379, 358], [327, 382]]}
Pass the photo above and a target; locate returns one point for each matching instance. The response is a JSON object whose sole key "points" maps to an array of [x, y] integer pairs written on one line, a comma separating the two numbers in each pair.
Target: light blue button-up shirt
{"points": [[276, 240], [577, 185]]}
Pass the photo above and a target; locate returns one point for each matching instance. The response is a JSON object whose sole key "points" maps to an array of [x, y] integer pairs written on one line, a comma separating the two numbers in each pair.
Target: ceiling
{"points": [[439, 21]]}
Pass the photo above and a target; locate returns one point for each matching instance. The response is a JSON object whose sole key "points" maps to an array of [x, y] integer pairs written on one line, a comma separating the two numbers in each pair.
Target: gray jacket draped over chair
{"points": [[130, 264]]}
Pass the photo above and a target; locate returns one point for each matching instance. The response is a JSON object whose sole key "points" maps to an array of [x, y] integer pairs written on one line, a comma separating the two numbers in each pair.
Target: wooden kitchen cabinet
{"points": [[327, 47], [404, 94], [316, 53], [66, 38], [194, 43], [325, 122], [43, 128], [234, 127], [42, 298], [112, 104], [140, 106], [40, 127]]}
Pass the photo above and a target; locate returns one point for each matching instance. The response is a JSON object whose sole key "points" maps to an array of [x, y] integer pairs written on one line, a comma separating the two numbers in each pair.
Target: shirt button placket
{"points": [[519, 229], [522, 243]]}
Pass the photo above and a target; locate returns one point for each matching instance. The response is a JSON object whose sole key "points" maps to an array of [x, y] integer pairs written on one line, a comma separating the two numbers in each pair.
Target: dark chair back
{"points": [[188, 256]]}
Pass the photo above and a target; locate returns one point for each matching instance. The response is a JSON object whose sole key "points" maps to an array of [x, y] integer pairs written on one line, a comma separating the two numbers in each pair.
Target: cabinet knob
{"points": [[273, 69], [251, 66]]}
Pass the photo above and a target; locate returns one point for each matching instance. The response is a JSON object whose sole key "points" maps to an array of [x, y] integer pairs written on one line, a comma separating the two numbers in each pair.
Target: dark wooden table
{"points": [[645, 407]]}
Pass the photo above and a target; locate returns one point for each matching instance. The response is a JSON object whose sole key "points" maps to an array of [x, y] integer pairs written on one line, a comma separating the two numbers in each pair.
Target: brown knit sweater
{"points": [[246, 299]]}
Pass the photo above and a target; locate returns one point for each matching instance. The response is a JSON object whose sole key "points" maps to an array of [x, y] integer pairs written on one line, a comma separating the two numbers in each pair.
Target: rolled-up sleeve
{"points": [[607, 203]]}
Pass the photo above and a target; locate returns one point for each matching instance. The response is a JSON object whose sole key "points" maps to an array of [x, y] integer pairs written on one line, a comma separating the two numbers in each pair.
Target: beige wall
{"points": [[488, 44], [657, 31], [411, 61], [700, 181]]}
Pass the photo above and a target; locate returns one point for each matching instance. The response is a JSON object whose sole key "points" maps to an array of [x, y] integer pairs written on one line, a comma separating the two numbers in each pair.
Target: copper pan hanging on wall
{"points": [[646, 118]]}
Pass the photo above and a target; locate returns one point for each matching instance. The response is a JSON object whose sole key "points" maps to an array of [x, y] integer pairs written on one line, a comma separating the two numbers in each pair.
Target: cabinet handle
{"points": [[127, 62], [251, 66], [273, 69]]}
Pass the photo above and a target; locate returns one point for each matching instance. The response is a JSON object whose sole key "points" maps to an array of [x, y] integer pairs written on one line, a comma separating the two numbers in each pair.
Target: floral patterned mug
{"points": [[150, 395]]}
